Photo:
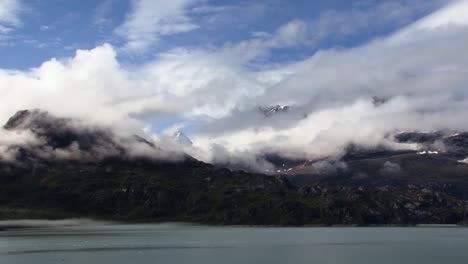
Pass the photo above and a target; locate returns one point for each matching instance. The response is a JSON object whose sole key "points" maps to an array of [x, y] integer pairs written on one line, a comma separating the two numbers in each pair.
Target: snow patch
{"points": [[428, 152]]}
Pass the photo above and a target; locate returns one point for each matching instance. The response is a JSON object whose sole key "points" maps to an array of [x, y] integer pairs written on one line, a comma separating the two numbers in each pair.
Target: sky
{"points": [[33, 31], [351, 71]]}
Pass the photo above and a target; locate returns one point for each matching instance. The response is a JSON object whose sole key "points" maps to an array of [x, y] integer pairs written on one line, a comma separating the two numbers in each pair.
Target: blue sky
{"points": [[55, 28], [153, 67]]}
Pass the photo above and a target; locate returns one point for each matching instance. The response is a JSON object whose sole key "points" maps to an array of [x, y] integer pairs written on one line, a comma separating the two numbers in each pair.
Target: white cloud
{"points": [[9, 10], [452, 15], [329, 25], [331, 93], [4, 30], [102, 13], [290, 34], [373, 18], [151, 19], [9, 15], [335, 90]]}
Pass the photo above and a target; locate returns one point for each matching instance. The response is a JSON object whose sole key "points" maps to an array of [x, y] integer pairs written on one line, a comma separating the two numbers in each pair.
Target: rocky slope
{"points": [[144, 188], [197, 192], [439, 165]]}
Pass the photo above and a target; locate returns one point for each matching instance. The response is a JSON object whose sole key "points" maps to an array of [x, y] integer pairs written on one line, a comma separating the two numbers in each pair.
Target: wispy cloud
{"points": [[288, 35], [371, 17], [102, 15], [10, 11], [332, 26], [151, 19], [4, 29], [220, 17], [331, 93]]}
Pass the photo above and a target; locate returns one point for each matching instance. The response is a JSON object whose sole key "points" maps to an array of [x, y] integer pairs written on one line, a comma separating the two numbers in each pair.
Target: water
{"points": [[171, 243]]}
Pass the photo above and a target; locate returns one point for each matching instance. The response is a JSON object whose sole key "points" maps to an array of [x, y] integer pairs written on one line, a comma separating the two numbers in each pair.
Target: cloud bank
{"points": [[413, 79]]}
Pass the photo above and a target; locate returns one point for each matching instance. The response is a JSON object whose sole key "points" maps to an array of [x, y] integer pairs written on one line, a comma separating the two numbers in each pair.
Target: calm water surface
{"points": [[171, 243]]}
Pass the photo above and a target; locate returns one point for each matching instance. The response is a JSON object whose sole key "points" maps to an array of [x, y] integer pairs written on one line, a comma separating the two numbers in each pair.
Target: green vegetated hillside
{"points": [[196, 192], [121, 187], [438, 172]]}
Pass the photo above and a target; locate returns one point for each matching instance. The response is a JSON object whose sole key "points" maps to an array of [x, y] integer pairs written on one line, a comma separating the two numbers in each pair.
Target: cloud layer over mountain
{"points": [[413, 79]]}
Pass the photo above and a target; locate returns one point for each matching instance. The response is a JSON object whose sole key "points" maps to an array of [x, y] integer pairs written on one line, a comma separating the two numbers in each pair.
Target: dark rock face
{"points": [[60, 133], [376, 205], [283, 163], [439, 165], [197, 192], [68, 135], [459, 140], [144, 141], [17, 119], [123, 188], [354, 152], [419, 137], [455, 144], [276, 109]]}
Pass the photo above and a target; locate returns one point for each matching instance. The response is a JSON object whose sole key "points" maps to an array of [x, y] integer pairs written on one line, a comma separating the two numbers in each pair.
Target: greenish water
{"points": [[171, 243]]}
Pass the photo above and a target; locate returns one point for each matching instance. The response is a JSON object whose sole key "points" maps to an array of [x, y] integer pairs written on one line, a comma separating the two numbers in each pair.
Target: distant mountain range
{"points": [[76, 170], [439, 165]]}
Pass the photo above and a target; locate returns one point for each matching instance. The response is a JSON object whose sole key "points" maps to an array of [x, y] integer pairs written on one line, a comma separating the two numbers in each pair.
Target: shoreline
{"points": [[25, 224]]}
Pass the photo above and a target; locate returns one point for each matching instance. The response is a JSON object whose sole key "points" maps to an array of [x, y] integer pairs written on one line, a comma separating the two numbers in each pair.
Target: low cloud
{"points": [[390, 169], [9, 140], [328, 167], [216, 93], [36, 134]]}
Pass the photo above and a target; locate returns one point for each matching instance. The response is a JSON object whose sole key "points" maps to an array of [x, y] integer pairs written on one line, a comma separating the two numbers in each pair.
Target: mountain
{"points": [[439, 165], [180, 138], [62, 138], [275, 109], [55, 133], [120, 186]]}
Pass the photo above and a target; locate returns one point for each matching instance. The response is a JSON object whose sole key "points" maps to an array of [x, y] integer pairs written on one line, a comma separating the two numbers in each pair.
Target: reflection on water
{"points": [[90, 242]]}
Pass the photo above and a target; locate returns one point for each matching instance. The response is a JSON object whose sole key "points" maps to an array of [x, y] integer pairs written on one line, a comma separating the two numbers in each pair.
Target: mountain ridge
{"points": [[145, 188]]}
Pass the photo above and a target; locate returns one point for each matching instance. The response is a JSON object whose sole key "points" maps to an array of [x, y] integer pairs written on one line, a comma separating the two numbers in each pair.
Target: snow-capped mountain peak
{"points": [[180, 138]]}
